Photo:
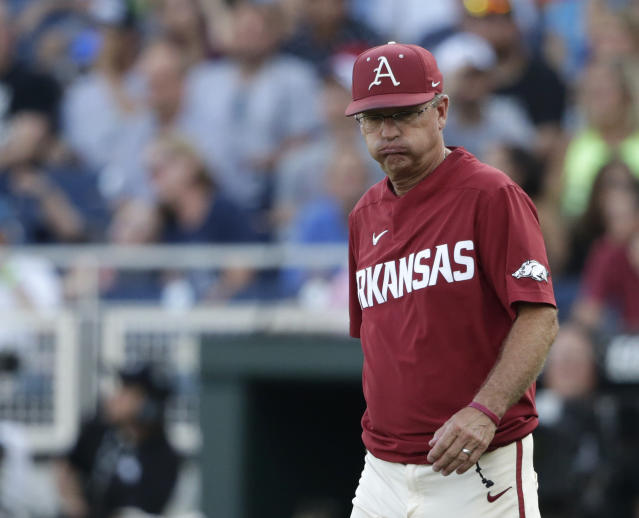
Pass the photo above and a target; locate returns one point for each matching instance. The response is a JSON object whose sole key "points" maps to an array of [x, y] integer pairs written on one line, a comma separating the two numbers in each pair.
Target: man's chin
{"points": [[395, 163]]}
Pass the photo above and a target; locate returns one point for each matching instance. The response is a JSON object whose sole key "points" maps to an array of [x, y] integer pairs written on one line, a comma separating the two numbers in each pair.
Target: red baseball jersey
{"points": [[433, 278]]}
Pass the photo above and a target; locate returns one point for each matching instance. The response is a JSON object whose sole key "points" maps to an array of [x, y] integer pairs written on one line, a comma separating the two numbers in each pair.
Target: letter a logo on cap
{"points": [[383, 62]]}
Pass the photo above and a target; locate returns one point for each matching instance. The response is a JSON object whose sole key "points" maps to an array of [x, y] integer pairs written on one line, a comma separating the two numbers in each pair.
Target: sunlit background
{"points": [[175, 179]]}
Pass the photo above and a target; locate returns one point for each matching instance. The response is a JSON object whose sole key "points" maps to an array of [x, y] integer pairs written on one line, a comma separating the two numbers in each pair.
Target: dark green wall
{"points": [[280, 422]]}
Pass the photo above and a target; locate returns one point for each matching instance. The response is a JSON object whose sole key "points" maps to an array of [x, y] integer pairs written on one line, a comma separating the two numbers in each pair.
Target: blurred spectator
{"points": [[30, 17], [326, 28], [325, 220], [610, 284], [27, 282], [606, 98], [407, 21], [571, 443], [477, 118], [566, 43], [608, 212], [261, 104], [168, 108], [521, 74], [50, 208], [97, 105], [194, 211], [185, 22], [134, 223], [21, 88], [613, 31], [47, 33], [301, 175], [122, 458]]}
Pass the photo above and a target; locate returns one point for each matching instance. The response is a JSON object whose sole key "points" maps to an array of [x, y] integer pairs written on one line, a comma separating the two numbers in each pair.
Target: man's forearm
{"points": [[521, 359]]}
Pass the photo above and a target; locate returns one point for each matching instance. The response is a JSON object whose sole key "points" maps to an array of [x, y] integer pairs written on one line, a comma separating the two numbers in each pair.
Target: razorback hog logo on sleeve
{"points": [[393, 279], [532, 269]]}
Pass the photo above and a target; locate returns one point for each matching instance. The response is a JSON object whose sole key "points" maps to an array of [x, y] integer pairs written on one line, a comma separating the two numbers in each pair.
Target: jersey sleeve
{"points": [[511, 249], [355, 311]]}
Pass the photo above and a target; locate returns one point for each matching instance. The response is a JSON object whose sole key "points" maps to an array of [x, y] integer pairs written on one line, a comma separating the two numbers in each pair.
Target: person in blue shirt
{"points": [[195, 211], [325, 220]]}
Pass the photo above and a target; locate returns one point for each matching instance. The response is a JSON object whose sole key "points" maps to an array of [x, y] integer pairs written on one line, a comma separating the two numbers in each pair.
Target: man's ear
{"points": [[442, 112]]}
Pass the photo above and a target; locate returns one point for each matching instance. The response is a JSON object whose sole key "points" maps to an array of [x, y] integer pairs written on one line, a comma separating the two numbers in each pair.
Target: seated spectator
{"points": [[610, 281], [27, 282], [519, 73], [195, 211], [265, 105], [134, 223], [325, 220], [53, 35], [24, 89], [477, 118], [613, 183], [566, 39], [300, 177], [607, 102], [611, 284], [122, 458], [186, 23], [571, 454], [326, 29], [168, 107], [97, 104], [50, 207], [407, 21], [612, 30]]}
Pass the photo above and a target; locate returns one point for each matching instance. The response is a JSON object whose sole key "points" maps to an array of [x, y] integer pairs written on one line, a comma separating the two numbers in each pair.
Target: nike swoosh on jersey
{"points": [[492, 498], [376, 238], [435, 84]]}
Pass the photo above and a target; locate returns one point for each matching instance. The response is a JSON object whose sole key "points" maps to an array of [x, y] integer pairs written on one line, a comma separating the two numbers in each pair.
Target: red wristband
{"points": [[492, 415]]}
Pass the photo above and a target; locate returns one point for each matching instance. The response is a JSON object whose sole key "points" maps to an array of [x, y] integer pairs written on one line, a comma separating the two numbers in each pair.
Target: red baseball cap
{"points": [[393, 75]]}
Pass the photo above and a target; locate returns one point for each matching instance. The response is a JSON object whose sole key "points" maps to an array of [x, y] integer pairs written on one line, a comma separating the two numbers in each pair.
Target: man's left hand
{"points": [[468, 429]]}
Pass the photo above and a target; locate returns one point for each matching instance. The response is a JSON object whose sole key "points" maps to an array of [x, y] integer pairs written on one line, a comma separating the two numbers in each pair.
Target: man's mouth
{"points": [[392, 150]]}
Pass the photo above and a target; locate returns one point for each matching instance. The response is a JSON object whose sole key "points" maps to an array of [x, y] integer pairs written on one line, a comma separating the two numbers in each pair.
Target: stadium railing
{"points": [[71, 353]]}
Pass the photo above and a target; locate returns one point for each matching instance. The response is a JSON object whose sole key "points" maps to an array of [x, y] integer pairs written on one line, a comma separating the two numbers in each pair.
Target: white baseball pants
{"points": [[504, 486]]}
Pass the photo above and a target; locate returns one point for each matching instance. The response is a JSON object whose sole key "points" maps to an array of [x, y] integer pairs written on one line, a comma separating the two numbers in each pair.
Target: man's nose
{"points": [[390, 128]]}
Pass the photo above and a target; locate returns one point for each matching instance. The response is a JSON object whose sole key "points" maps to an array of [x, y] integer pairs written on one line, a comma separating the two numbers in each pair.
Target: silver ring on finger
{"points": [[467, 451]]}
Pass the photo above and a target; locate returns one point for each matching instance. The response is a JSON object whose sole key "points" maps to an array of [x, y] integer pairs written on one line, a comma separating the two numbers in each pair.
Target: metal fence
{"points": [[69, 354]]}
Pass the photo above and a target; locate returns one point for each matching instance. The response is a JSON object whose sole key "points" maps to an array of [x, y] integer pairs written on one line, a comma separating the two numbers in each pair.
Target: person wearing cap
{"points": [[122, 459], [452, 299], [477, 118]]}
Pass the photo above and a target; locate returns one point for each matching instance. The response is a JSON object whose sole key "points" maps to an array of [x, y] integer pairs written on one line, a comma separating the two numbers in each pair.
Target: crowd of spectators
{"points": [[213, 121]]}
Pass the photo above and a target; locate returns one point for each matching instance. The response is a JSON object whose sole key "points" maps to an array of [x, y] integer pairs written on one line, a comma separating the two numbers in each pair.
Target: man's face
{"points": [[125, 404], [405, 148], [164, 76]]}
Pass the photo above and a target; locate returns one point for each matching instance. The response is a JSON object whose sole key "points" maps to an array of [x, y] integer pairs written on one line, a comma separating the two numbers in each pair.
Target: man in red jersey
{"points": [[452, 299]]}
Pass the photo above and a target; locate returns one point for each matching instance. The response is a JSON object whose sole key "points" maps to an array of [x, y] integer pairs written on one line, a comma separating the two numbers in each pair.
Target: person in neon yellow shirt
{"points": [[611, 132]]}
